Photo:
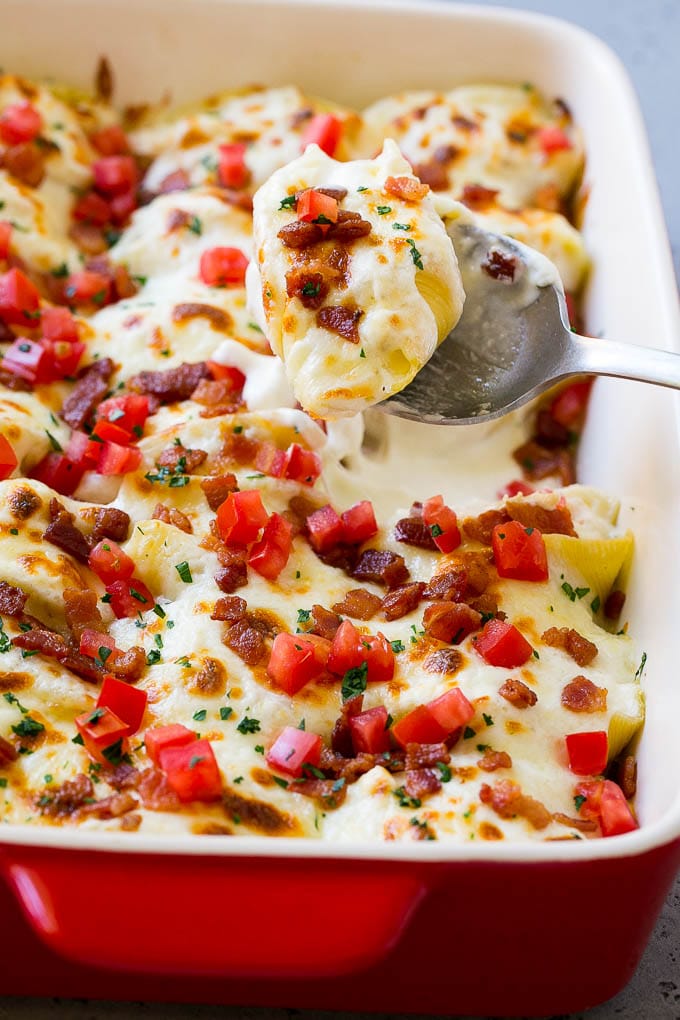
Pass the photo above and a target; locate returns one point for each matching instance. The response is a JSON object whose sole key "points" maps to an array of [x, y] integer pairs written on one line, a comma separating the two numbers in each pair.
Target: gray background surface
{"points": [[646, 35]]}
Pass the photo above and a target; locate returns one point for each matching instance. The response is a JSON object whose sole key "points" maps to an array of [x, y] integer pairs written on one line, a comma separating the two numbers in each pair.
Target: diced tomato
{"points": [[123, 205], [91, 641], [110, 563], [100, 729], [160, 738], [615, 815], [129, 597], [234, 375], [359, 523], [8, 459], [221, 267], [296, 660], [126, 701], [301, 465], [82, 450], [241, 516], [20, 123], [110, 141], [19, 299], [443, 524], [350, 649], [370, 732], [587, 752], [501, 644], [92, 208], [5, 238], [270, 460], [569, 407], [27, 359], [128, 412], [515, 488], [63, 358], [270, 555], [57, 324], [325, 528], [114, 174], [519, 552], [451, 710], [87, 287], [115, 459], [111, 432], [315, 207], [324, 130], [192, 771], [552, 139], [232, 171], [59, 473], [292, 749], [419, 727]]}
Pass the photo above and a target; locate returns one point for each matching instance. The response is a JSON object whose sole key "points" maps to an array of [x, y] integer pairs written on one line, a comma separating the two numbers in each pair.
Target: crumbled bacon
{"points": [[450, 621], [89, 238], [172, 384], [627, 775], [517, 693], [381, 566], [493, 760], [343, 557], [421, 783], [614, 603], [349, 227], [581, 650], [216, 488], [246, 641], [25, 162], [49, 643], [62, 532], [218, 397], [171, 515], [413, 531], [480, 528], [82, 611], [110, 522], [331, 792], [407, 188], [582, 824], [156, 792], [109, 807], [582, 695], [178, 456], [499, 265], [539, 462], [300, 234], [12, 600], [123, 777], [402, 600], [229, 609], [11, 381], [65, 800], [505, 797], [87, 393], [325, 621], [358, 603], [8, 752], [309, 286], [550, 432], [433, 173], [128, 665], [420, 756], [557, 521], [444, 660], [341, 320], [232, 575], [448, 586], [477, 197]]}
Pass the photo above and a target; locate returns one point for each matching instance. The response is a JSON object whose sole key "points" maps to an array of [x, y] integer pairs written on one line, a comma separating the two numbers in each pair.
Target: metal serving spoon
{"points": [[513, 339]]}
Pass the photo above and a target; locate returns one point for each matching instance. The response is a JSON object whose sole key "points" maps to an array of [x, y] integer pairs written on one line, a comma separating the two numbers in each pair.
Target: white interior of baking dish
{"points": [[355, 52]]}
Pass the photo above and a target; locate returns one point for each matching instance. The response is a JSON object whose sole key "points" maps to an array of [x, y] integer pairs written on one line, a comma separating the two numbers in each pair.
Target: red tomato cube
{"points": [[93, 641], [234, 375], [192, 771], [8, 459], [315, 207], [359, 523], [270, 555], [128, 598], [19, 299], [110, 141], [123, 205], [5, 238], [324, 130], [616, 817], [116, 459], [92, 208], [443, 524], [325, 528], [519, 552], [587, 752], [101, 729], [62, 359], [501, 644], [370, 732], [296, 660], [301, 465], [59, 473], [451, 710], [114, 174], [128, 412], [232, 171], [270, 460], [82, 450], [350, 649], [20, 123], [515, 488], [419, 727], [222, 267], [110, 563], [241, 516], [552, 139], [27, 359], [159, 738], [292, 749], [87, 287], [58, 325], [569, 407], [125, 701]]}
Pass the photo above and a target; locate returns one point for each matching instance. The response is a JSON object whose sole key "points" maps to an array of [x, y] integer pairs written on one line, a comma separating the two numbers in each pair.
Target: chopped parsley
{"points": [[60, 271], [404, 799], [248, 725], [354, 681], [54, 442], [3, 783], [5, 643], [195, 760], [303, 616], [401, 226], [14, 531], [114, 754], [311, 289], [322, 220], [643, 661], [103, 654], [444, 771], [225, 712], [13, 700], [362, 353], [397, 646], [183, 661], [95, 716], [152, 657], [415, 254], [468, 732], [595, 604], [311, 770], [383, 210], [77, 740], [362, 188], [259, 749], [579, 801], [184, 571], [199, 716], [28, 727], [280, 782], [436, 531], [195, 226], [574, 593], [488, 719], [288, 202]]}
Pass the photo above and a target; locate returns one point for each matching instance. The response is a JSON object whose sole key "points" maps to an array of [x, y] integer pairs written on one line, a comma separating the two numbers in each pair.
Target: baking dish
{"points": [[472, 929]]}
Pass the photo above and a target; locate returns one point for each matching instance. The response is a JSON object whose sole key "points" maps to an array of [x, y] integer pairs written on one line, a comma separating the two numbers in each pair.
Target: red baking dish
{"points": [[498, 928]]}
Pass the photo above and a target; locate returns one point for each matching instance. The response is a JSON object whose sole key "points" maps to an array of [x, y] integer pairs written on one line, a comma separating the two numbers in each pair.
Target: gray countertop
{"points": [[645, 34]]}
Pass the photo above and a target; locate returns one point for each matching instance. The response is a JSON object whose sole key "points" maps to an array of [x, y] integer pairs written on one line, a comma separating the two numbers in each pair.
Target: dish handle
{"points": [[213, 915]]}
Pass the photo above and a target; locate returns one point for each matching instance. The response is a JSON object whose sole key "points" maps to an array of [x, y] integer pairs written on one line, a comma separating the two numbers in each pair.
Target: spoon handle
{"points": [[625, 361]]}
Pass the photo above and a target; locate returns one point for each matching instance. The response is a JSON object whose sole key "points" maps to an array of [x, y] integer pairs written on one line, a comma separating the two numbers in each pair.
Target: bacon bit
{"points": [[173, 384], [557, 521], [627, 775], [65, 800], [25, 162], [487, 606], [308, 286], [131, 822], [300, 234], [217, 317], [419, 756], [233, 572], [382, 566], [480, 528], [413, 531], [421, 783], [171, 515], [402, 600], [350, 227], [407, 188], [128, 665], [499, 266], [115, 806], [62, 532], [8, 752], [23, 502], [445, 660], [239, 449], [53, 645], [538, 462], [582, 695], [87, 393], [110, 522], [326, 622], [449, 586], [88, 237], [12, 381], [216, 488], [518, 694], [358, 603], [178, 180], [341, 320], [342, 557], [493, 760], [574, 644], [450, 621], [614, 603], [477, 197], [505, 797], [246, 641], [176, 455], [82, 611], [218, 396], [341, 737], [12, 600], [582, 824], [123, 777], [156, 792], [550, 432], [433, 174], [325, 790], [229, 609]]}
